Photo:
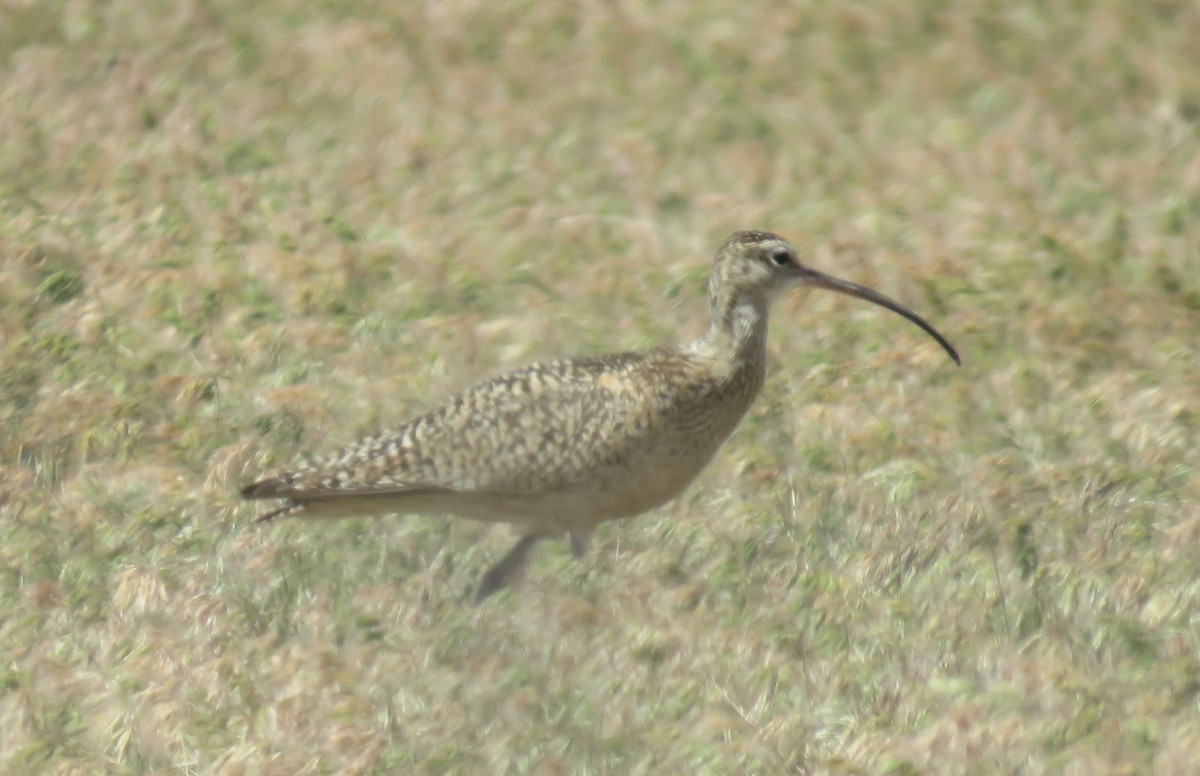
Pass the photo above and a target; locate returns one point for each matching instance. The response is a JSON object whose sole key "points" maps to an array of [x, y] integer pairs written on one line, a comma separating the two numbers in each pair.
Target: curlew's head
{"points": [[753, 268]]}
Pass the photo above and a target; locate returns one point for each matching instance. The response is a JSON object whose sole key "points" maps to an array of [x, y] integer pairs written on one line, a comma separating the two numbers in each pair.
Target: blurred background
{"points": [[232, 233]]}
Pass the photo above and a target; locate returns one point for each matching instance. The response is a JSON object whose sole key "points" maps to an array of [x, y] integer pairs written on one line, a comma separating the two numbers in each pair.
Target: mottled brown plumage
{"points": [[565, 445]]}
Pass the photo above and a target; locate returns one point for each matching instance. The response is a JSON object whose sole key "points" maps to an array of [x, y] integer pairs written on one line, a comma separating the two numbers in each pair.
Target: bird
{"points": [[562, 446]]}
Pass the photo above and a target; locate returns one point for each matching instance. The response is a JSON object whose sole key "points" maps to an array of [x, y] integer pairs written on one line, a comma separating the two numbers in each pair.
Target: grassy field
{"points": [[234, 232]]}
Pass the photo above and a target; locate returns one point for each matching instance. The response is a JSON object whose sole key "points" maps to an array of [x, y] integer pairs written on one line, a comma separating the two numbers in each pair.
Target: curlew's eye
{"points": [[780, 257]]}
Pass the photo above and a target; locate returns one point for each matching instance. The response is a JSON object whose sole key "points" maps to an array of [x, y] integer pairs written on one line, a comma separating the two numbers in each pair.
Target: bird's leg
{"points": [[508, 570], [579, 542]]}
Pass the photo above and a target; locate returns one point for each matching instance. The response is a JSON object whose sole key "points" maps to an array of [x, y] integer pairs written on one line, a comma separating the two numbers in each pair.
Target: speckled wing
{"points": [[527, 432]]}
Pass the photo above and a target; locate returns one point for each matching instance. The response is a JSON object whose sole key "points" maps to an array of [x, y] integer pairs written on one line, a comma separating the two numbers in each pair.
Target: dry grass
{"points": [[235, 231]]}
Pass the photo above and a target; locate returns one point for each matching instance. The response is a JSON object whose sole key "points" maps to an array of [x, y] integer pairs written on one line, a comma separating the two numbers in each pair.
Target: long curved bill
{"points": [[820, 280]]}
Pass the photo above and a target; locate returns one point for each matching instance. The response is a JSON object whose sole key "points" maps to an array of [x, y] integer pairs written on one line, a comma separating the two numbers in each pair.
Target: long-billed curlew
{"points": [[563, 446]]}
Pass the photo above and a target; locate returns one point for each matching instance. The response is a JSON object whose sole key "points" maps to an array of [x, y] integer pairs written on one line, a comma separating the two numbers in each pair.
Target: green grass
{"points": [[234, 232]]}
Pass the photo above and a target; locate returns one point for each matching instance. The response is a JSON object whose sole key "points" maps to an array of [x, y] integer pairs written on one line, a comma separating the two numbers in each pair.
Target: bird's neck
{"points": [[737, 336]]}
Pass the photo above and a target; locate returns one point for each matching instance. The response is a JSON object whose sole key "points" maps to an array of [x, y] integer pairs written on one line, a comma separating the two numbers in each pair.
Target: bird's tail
{"points": [[286, 509]]}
